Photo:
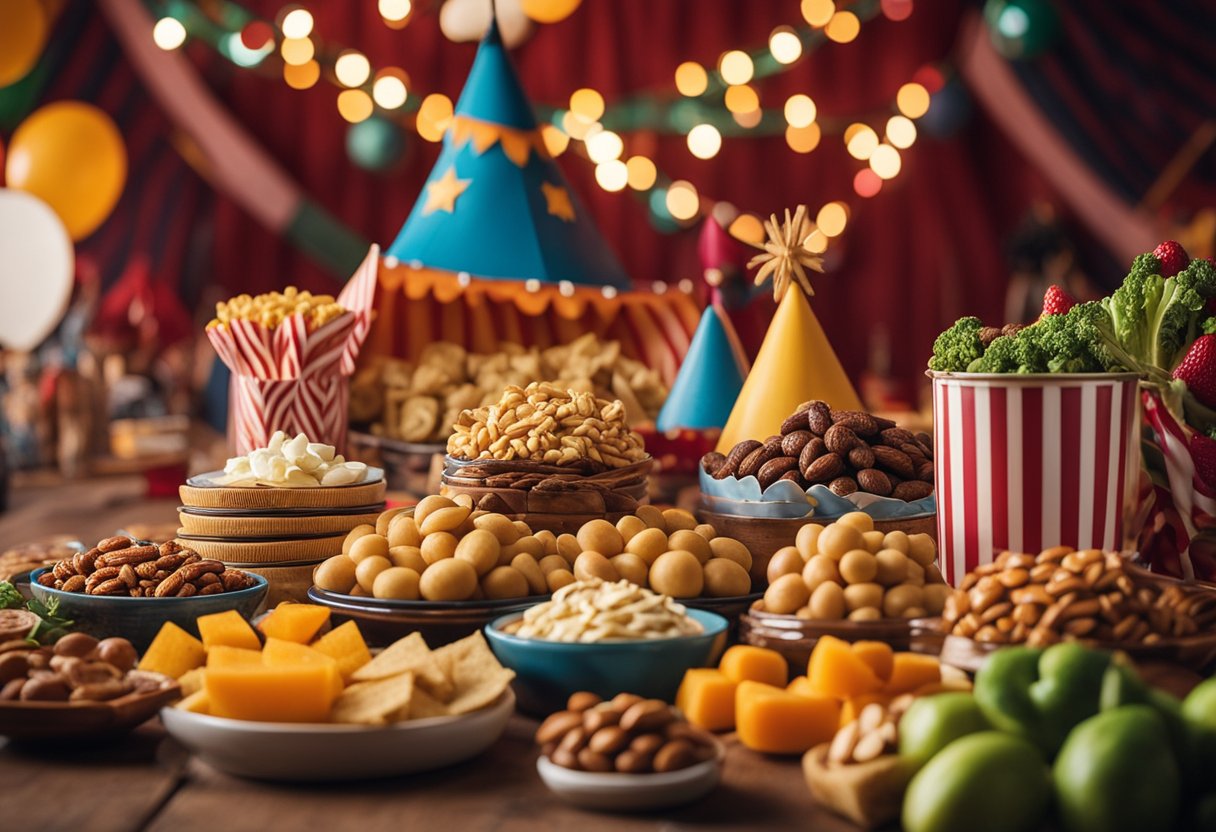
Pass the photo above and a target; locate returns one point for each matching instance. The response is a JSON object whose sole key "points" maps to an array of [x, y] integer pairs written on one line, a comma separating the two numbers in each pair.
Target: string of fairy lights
{"points": [[712, 103]]}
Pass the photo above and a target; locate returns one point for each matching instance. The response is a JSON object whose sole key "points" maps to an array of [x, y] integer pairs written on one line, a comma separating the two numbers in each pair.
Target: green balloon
{"points": [[375, 144], [1022, 28]]}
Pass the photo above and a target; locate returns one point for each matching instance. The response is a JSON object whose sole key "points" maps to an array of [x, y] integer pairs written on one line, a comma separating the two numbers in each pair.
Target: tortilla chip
{"points": [[408, 655], [371, 703], [423, 705], [478, 677]]}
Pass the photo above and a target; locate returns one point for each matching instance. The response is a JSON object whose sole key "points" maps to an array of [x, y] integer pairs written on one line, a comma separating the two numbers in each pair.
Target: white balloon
{"points": [[36, 270], [467, 20]]}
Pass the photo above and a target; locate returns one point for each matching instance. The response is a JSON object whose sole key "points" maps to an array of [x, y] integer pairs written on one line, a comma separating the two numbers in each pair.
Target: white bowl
{"points": [[327, 752], [631, 792]]}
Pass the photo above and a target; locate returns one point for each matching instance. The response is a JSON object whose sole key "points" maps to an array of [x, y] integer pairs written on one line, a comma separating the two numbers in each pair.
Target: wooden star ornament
{"points": [[441, 194], [785, 256]]}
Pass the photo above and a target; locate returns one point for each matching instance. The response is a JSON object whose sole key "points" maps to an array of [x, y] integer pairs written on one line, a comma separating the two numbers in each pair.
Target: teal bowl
{"points": [[140, 619], [547, 672]]}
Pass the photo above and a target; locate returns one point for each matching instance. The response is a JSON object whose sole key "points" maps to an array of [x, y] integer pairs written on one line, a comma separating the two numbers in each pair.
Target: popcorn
{"points": [[272, 308], [292, 463]]}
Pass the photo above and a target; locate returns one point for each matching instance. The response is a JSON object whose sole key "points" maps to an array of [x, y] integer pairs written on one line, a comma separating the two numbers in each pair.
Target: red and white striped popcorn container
{"points": [[1026, 462]]}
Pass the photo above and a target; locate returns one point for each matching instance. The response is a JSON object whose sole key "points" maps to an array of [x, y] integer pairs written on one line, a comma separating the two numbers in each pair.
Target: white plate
{"points": [[315, 752], [631, 792]]}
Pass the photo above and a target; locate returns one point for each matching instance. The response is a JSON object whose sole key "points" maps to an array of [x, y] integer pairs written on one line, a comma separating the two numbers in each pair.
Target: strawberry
{"points": [[1198, 370], [1172, 256], [1203, 454], [1056, 301]]}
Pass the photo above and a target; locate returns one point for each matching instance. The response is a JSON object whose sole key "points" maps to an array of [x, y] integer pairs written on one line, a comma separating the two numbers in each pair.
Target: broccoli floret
{"points": [[1209, 326], [1000, 357], [958, 346], [1126, 306], [1176, 321]]}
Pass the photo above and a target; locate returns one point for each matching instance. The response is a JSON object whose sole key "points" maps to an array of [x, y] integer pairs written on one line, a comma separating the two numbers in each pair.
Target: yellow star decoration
{"points": [[557, 201], [786, 257], [442, 193]]}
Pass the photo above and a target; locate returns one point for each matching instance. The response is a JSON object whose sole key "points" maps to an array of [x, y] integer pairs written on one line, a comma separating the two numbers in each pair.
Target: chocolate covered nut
{"points": [[813, 450], [113, 544], [793, 443], [590, 760], [751, 466], [648, 744], [861, 456], [818, 417], [874, 481], [609, 740], [794, 422], [824, 469], [647, 715], [74, 584], [712, 461], [862, 424], [565, 759], [895, 461], [631, 762], [840, 439], [794, 476], [910, 490], [673, 756], [843, 486], [773, 470], [897, 436]]}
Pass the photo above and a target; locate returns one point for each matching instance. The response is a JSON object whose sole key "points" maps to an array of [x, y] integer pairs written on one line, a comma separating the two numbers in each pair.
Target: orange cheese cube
{"points": [[224, 656], [852, 707], [195, 703], [295, 622], [745, 663], [229, 629], [801, 686], [173, 652], [912, 671], [707, 699], [878, 655], [280, 653], [192, 680], [775, 721], [836, 671], [346, 646], [293, 693]]}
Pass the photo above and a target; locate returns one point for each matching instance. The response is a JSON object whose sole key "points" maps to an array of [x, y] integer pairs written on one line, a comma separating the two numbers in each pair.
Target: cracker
{"points": [[412, 655], [422, 706], [371, 703], [478, 677]]}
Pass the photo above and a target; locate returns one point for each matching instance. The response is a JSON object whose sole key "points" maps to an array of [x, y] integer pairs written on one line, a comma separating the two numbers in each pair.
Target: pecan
{"points": [[897, 436], [170, 547], [104, 574], [63, 570], [818, 417], [113, 544], [170, 585], [126, 574], [85, 562], [771, 449], [133, 555], [793, 422], [862, 424], [208, 578], [191, 572], [47, 579], [74, 584], [843, 486], [824, 469], [712, 461], [861, 456], [874, 481], [894, 461], [146, 569], [772, 470], [211, 589], [793, 443], [191, 557], [170, 562], [912, 490], [840, 439], [811, 452], [234, 579], [114, 586], [187, 590]]}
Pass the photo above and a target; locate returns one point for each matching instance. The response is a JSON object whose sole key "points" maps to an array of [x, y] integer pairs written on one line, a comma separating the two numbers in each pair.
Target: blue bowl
{"points": [[140, 619], [547, 672]]}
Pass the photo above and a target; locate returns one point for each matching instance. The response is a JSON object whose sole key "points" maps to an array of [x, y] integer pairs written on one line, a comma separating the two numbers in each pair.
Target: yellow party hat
{"points": [[796, 363]]}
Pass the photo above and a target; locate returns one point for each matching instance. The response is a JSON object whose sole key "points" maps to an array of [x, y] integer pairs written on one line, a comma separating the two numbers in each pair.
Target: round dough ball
{"points": [[354, 534], [408, 557], [915, 612], [527, 544], [827, 601], [551, 562], [403, 531], [370, 545], [527, 566], [428, 504], [336, 574], [499, 526], [858, 520], [568, 548], [590, 565], [629, 525], [807, 540], [897, 540], [857, 596], [933, 575], [648, 544], [820, 569], [858, 566], [360, 592], [922, 548], [386, 519], [437, 547], [706, 531], [600, 536], [935, 596], [916, 573], [675, 519], [839, 538], [892, 567], [480, 548], [785, 595], [548, 540], [873, 541], [900, 598], [465, 500], [632, 568], [398, 583], [731, 549], [866, 614], [785, 561], [690, 541], [449, 580], [446, 519], [652, 517], [368, 568], [522, 527], [725, 579], [677, 574], [505, 582], [559, 578]]}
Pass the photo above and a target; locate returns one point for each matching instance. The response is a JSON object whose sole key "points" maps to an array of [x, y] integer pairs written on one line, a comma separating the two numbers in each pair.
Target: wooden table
{"points": [[147, 781]]}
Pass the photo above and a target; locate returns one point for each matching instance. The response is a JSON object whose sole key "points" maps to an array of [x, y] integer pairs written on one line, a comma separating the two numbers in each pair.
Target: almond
{"points": [[818, 417], [824, 469], [840, 439], [811, 452], [897, 436], [772, 470], [861, 456], [843, 486], [712, 461], [893, 460], [874, 481], [750, 466], [863, 424], [793, 443], [794, 422], [912, 490]]}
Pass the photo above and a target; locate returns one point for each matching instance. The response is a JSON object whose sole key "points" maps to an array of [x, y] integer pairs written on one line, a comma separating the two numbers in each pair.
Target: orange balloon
{"points": [[71, 155], [549, 11], [22, 36]]}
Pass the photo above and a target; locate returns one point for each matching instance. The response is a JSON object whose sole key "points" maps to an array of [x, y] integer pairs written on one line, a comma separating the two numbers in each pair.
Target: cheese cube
{"points": [[912, 671], [775, 721], [295, 622], [835, 670], [229, 629], [346, 646], [745, 663], [294, 693], [173, 652], [707, 698]]}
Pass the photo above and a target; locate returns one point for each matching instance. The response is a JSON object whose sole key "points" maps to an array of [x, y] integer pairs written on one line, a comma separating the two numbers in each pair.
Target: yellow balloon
{"points": [[549, 11], [22, 36], [71, 155]]}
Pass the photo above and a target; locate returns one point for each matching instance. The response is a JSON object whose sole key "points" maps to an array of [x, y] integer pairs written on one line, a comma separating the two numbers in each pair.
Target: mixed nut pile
{"points": [[78, 667], [874, 733], [846, 450], [122, 566], [1062, 593]]}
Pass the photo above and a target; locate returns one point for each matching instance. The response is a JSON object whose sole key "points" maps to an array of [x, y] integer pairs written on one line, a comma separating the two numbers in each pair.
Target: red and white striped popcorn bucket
{"points": [[1026, 462], [315, 406]]}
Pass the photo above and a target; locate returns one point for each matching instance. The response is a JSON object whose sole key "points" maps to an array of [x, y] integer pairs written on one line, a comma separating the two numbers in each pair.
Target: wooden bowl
{"points": [[765, 535], [28, 721], [795, 637], [1196, 653]]}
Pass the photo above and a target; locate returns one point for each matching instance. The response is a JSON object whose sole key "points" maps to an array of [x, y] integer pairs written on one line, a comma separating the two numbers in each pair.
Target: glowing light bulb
{"points": [[785, 45], [642, 173], [901, 131], [434, 116], [741, 99], [555, 140], [168, 33], [704, 141], [682, 200], [885, 161], [736, 67], [800, 110], [816, 242], [862, 143], [604, 146], [389, 92], [355, 105], [867, 183], [612, 175], [352, 68], [297, 23], [832, 218], [843, 27], [297, 51], [395, 9], [818, 12], [912, 100], [691, 79], [302, 76], [587, 103], [803, 139]]}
